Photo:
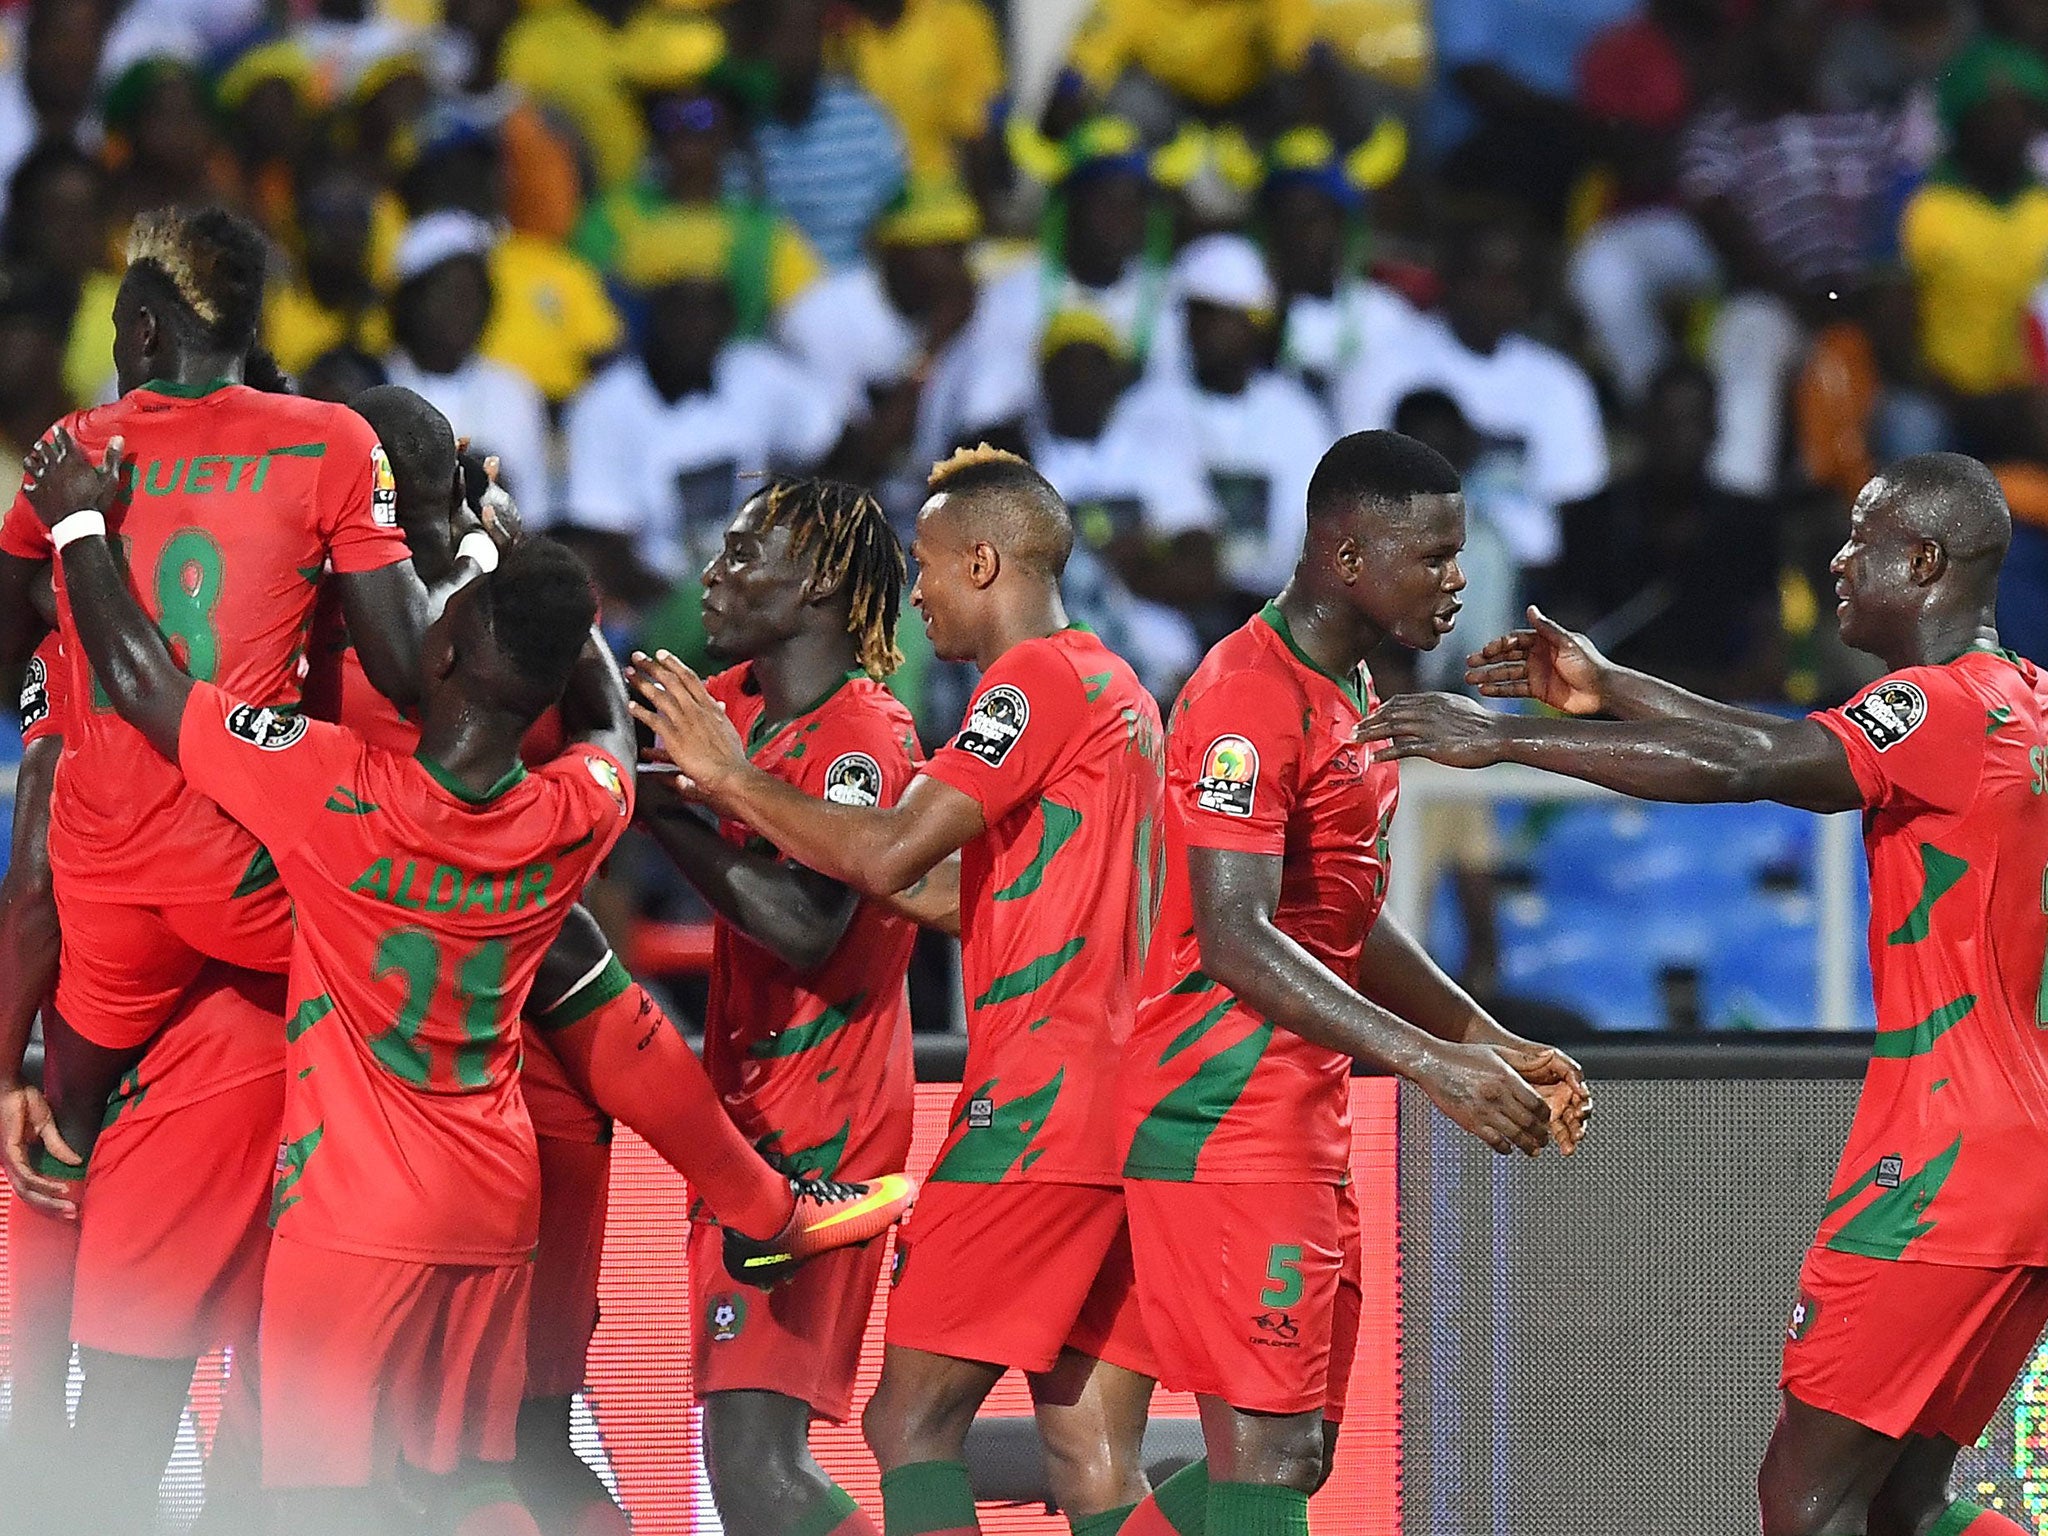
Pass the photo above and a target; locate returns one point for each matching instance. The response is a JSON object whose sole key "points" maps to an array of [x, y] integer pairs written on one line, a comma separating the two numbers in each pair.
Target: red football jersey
{"points": [[238, 501], [423, 913], [1062, 748], [214, 1041], [1940, 1163], [818, 1067], [1260, 759]]}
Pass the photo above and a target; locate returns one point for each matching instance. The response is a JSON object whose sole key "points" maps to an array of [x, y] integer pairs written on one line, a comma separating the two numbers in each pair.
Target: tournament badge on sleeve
{"points": [[1230, 776], [999, 718]]}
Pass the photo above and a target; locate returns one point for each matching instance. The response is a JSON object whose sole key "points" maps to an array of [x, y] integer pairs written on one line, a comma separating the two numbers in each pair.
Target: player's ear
{"points": [[1927, 562], [984, 564], [148, 329], [1350, 560]]}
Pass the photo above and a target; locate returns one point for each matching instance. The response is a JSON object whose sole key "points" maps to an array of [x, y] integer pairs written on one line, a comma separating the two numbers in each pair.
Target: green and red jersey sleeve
{"points": [[42, 692], [1232, 760], [271, 770], [1026, 715], [1914, 739]]}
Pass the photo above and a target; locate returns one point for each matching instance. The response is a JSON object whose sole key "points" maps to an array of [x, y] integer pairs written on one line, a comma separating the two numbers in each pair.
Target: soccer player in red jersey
{"points": [[1927, 1284], [426, 889], [807, 1028], [1277, 972], [233, 591], [169, 1262], [1018, 1254]]}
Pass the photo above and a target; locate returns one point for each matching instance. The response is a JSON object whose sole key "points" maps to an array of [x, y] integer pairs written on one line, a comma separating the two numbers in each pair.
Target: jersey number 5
{"points": [[416, 955]]}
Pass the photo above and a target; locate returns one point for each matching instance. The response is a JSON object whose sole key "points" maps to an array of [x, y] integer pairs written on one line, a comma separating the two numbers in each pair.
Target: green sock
{"points": [[827, 1515], [927, 1496], [1108, 1523], [1257, 1509], [1184, 1499]]}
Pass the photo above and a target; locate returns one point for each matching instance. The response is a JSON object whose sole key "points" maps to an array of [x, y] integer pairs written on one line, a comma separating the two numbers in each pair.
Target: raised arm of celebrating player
{"points": [[1667, 745], [127, 651], [878, 850]]}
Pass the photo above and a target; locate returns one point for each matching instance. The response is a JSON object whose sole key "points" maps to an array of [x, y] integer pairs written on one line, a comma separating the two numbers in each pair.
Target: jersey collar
{"points": [[178, 391], [462, 791], [1353, 686], [766, 730]]}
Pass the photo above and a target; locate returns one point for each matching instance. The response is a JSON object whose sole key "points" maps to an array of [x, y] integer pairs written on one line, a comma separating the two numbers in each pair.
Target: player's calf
{"points": [[763, 1477], [564, 1495]]}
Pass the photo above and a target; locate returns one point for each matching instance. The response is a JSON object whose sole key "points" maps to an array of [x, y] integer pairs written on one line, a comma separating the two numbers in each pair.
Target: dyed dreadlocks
{"points": [[846, 535]]}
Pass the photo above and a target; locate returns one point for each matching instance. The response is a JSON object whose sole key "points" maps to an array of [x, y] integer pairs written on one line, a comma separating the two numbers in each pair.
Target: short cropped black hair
{"points": [[202, 270], [416, 438], [539, 605], [1385, 469]]}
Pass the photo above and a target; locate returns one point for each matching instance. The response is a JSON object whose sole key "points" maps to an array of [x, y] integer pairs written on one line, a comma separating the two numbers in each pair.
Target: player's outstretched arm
{"points": [[127, 652], [1714, 758], [1398, 974], [1566, 671], [1235, 897], [795, 913], [28, 972], [934, 899], [595, 709], [878, 850]]}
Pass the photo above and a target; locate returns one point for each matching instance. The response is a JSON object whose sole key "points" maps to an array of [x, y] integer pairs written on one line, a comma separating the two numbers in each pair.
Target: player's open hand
{"points": [[502, 520], [1561, 1082], [1546, 662], [689, 724], [1481, 1091], [61, 478], [1441, 726], [25, 1126]]}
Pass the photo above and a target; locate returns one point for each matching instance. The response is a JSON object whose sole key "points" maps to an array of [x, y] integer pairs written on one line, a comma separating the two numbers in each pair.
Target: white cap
{"points": [[1226, 270], [441, 236]]}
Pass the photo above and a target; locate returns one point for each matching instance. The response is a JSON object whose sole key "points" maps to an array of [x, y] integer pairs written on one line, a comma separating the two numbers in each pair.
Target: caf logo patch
{"points": [[608, 780], [728, 1317], [999, 718], [272, 730], [383, 490], [853, 779], [1889, 713], [35, 694], [1230, 776]]}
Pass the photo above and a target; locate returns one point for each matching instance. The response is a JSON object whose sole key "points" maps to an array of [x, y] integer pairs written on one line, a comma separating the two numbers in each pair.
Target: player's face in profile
{"points": [[1410, 577], [941, 593], [1872, 570], [437, 645], [131, 360], [754, 590]]}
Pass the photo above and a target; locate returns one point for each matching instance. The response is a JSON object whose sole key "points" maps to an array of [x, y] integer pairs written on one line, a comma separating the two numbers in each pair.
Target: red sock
{"points": [[1963, 1518], [42, 1253], [622, 1050], [1146, 1520], [856, 1524]]}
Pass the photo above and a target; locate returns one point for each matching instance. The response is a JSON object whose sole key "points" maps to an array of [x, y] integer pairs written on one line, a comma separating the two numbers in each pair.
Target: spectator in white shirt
{"points": [[438, 317], [1258, 433], [1332, 314], [1534, 408], [1101, 209], [659, 442]]}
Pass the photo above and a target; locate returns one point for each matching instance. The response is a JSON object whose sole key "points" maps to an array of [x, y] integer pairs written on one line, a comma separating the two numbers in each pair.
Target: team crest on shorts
{"points": [[1889, 713], [35, 694], [272, 730], [999, 718], [854, 779], [1805, 1312], [383, 490], [1230, 776], [728, 1317], [607, 776]]}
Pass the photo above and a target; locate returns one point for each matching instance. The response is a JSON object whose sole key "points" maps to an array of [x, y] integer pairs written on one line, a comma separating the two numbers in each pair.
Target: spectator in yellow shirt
{"points": [[331, 299], [937, 65], [1975, 236], [550, 317], [682, 198]]}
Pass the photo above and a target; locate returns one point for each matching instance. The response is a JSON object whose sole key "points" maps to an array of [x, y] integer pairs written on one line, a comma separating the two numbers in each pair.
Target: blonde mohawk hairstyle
{"points": [[163, 238], [210, 264], [846, 536], [962, 459]]}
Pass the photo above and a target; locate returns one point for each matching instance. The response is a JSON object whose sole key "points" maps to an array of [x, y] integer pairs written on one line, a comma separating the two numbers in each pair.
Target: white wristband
{"points": [[476, 545], [87, 524]]}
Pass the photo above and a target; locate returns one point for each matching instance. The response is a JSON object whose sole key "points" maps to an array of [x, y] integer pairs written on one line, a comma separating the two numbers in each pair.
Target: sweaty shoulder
{"points": [[1916, 737]]}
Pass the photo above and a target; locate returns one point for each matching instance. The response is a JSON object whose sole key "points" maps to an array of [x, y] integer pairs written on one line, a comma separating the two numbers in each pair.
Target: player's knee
{"points": [[1283, 1453], [1791, 1504], [757, 1459], [926, 1422]]}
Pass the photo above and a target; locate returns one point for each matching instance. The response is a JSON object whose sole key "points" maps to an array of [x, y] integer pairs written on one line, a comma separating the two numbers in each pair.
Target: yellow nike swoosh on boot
{"points": [[886, 1191]]}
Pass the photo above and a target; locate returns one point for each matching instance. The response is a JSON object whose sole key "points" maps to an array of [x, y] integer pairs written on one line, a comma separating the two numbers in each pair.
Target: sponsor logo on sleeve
{"points": [[999, 718], [854, 779], [35, 694], [383, 490], [1230, 776], [607, 777], [1889, 713], [261, 726]]}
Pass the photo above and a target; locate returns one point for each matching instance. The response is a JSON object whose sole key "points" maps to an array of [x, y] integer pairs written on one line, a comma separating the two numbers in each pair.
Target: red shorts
{"points": [[801, 1339], [1056, 1258], [1251, 1292], [1903, 1348], [175, 1226], [367, 1362], [123, 968], [575, 1190]]}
